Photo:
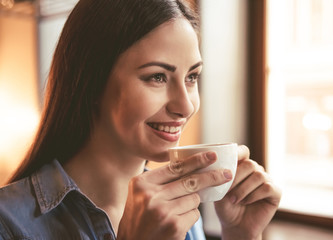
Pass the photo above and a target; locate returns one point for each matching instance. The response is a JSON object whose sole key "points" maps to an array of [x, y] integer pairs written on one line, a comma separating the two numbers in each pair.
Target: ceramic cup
{"points": [[227, 156]]}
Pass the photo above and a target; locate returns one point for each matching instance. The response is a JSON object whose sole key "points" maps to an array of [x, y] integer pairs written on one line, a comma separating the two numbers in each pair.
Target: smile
{"points": [[165, 128]]}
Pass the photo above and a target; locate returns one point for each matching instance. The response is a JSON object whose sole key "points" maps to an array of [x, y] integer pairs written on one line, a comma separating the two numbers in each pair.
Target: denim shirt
{"points": [[49, 205]]}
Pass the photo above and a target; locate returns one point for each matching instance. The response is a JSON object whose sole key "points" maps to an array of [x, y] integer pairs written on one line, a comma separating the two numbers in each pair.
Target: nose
{"points": [[182, 103]]}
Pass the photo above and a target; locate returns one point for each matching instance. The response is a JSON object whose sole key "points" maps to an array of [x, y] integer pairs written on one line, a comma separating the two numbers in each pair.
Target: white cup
{"points": [[227, 156]]}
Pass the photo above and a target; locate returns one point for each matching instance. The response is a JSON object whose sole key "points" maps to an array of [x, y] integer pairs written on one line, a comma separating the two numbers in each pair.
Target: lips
{"points": [[167, 131]]}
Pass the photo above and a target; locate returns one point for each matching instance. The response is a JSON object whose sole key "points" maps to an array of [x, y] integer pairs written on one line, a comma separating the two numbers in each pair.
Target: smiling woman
{"points": [[120, 93]]}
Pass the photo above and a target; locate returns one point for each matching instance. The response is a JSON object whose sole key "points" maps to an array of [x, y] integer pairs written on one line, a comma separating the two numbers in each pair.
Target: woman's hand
{"points": [[163, 203], [250, 203]]}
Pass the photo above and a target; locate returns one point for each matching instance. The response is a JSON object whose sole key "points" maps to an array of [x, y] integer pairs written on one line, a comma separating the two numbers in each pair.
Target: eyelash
{"points": [[193, 75], [160, 78]]}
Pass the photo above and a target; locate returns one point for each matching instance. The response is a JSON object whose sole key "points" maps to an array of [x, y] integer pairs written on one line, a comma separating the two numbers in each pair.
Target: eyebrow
{"points": [[168, 67], [195, 66]]}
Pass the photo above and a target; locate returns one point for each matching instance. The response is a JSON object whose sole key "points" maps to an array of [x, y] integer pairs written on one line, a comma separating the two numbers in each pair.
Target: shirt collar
{"points": [[51, 184]]}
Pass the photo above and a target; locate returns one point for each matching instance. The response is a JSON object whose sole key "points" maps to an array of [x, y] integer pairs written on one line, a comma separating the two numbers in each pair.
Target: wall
{"points": [[19, 108], [49, 30], [224, 80], [26, 50]]}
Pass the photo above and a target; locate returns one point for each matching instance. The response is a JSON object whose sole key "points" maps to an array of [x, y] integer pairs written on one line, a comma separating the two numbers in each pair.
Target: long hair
{"points": [[93, 37]]}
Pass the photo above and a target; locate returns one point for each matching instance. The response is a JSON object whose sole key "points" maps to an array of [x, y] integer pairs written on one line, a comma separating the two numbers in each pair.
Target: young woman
{"points": [[122, 86]]}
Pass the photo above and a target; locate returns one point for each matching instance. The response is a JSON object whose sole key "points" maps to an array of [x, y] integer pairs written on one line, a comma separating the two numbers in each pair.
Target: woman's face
{"points": [[152, 92]]}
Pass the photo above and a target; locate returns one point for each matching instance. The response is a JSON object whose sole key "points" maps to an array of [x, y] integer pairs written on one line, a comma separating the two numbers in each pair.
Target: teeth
{"points": [[163, 128]]}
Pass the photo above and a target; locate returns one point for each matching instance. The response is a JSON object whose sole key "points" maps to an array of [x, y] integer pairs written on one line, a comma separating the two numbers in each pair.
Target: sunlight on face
{"points": [[152, 92]]}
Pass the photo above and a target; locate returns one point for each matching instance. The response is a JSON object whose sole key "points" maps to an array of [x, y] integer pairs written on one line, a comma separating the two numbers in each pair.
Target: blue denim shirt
{"points": [[49, 205]]}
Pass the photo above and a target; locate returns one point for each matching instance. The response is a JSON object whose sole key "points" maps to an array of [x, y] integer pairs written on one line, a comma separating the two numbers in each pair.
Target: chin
{"points": [[160, 153], [160, 157]]}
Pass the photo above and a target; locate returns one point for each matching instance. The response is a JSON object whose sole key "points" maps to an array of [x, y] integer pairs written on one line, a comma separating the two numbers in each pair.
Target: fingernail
{"points": [[227, 174], [211, 156]]}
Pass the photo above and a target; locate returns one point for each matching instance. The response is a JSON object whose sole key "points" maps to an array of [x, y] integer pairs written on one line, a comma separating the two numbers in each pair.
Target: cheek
{"points": [[134, 109], [132, 113]]}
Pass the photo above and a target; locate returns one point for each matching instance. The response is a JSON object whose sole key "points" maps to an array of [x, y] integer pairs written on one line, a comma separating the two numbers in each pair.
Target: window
{"points": [[299, 107]]}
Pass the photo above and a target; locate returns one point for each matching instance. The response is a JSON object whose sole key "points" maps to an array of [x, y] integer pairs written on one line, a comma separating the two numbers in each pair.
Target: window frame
{"points": [[257, 95]]}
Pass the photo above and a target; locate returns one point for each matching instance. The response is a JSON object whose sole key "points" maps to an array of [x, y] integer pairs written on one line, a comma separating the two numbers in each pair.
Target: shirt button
{"points": [[108, 236]]}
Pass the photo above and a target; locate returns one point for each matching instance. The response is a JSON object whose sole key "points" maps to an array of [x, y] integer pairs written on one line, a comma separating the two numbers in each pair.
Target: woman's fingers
{"points": [[266, 191], [178, 169], [245, 166], [174, 226], [194, 183], [244, 169], [243, 152], [183, 204], [167, 184], [252, 182], [188, 219]]}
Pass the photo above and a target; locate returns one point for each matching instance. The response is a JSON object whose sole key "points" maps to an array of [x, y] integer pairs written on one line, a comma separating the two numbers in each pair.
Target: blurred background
{"points": [[267, 83]]}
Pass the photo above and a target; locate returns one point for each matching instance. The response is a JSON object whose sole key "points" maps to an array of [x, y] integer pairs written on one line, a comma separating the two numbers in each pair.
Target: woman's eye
{"points": [[158, 77], [193, 78], [155, 79]]}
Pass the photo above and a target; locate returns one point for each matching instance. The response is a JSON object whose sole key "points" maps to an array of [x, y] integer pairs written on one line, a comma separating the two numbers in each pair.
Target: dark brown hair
{"points": [[95, 34]]}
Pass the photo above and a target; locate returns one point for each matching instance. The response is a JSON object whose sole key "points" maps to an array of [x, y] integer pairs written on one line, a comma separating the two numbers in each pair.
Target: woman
{"points": [[122, 86]]}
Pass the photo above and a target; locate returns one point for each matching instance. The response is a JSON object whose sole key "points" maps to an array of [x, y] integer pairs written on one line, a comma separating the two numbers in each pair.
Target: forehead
{"points": [[175, 42]]}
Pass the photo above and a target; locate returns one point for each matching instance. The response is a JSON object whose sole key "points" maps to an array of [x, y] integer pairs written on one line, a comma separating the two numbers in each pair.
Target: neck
{"points": [[103, 174]]}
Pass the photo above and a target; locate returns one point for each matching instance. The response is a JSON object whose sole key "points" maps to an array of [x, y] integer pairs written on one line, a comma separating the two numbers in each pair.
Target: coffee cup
{"points": [[227, 156]]}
